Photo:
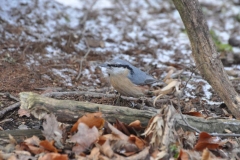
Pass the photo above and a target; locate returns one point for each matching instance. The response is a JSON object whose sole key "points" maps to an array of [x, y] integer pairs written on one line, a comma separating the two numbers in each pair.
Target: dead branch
{"points": [[9, 96], [20, 134], [100, 95], [82, 35], [9, 108], [69, 111]]}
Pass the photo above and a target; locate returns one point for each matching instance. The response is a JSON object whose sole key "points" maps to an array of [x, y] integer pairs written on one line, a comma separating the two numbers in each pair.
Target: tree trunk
{"points": [[205, 53]]}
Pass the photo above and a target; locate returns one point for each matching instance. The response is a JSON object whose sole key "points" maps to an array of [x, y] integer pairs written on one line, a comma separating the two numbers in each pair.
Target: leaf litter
{"points": [[121, 140], [159, 140]]}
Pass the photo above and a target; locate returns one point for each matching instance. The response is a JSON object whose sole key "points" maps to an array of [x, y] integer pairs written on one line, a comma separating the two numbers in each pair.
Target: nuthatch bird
{"points": [[127, 79]]}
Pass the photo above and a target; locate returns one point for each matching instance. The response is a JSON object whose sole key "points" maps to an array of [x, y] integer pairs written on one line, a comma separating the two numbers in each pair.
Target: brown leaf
{"points": [[196, 114], [94, 155], [54, 156], [125, 147], [48, 146], [159, 129], [192, 154], [136, 125], [32, 145], [206, 154], [23, 112], [144, 154], [102, 140], [11, 139], [35, 150], [84, 137], [116, 132], [122, 127], [140, 143], [34, 140], [154, 153], [183, 155], [90, 119], [21, 155], [106, 149], [207, 141], [189, 140]]}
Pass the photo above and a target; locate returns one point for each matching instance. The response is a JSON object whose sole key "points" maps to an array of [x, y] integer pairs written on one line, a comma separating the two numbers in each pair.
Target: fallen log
{"points": [[69, 111]]}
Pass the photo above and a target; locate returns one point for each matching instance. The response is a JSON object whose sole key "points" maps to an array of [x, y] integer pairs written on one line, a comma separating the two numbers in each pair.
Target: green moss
{"points": [[221, 47], [238, 17], [174, 150]]}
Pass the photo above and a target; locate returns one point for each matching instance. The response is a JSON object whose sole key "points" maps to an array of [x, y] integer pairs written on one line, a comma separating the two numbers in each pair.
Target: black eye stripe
{"points": [[121, 65]]}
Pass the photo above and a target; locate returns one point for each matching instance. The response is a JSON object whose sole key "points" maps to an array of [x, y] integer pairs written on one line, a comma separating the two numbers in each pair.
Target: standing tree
{"points": [[205, 53]]}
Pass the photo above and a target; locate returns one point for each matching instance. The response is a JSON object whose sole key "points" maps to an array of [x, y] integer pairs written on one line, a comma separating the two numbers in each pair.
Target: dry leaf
{"points": [[32, 145], [48, 146], [34, 140], [51, 130], [94, 155], [160, 128], [124, 147], [54, 156], [173, 84], [84, 137], [192, 155], [34, 150], [136, 125], [21, 155], [183, 155], [189, 140], [140, 143], [196, 114], [90, 119], [11, 139], [206, 154], [121, 127], [23, 112], [95, 42], [106, 149], [170, 72], [207, 141], [116, 132]]}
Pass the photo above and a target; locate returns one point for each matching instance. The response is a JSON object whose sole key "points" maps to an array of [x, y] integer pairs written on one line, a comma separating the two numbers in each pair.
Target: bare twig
{"points": [[198, 131], [224, 135], [82, 35], [83, 23], [9, 95], [6, 120], [9, 108], [183, 118], [188, 81], [126, 12], [24, 51], [83, 59]]}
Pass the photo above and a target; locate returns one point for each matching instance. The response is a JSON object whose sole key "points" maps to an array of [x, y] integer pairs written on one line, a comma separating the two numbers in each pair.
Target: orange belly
{"points": [[125, 87]]}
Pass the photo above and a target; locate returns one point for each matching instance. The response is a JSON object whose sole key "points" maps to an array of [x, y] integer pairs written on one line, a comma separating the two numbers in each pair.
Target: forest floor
{"points": [[43, 44]]}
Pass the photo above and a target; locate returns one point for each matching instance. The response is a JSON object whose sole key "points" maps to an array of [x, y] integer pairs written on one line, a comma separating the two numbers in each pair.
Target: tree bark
{"points": [[205, 53]]}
